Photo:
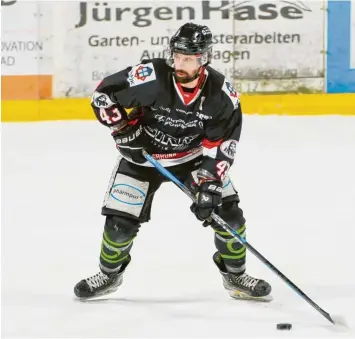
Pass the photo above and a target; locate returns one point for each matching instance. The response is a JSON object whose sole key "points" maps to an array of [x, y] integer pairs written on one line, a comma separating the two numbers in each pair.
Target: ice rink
{"points": [[296, 180]]}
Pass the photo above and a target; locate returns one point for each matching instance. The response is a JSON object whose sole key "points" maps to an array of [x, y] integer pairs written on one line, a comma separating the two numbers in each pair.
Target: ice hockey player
{"points": [[188, 116]]}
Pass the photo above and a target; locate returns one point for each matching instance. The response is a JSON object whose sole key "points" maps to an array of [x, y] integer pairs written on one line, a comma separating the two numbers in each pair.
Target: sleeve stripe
{"points": [[211, 144], [210, 152]]}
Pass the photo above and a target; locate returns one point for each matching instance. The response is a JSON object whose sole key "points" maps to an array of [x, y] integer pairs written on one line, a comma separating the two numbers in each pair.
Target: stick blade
{"points": [[340, 323]]}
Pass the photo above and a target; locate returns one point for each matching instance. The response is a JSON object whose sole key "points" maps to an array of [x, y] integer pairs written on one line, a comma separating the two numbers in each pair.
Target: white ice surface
{"points": [[296, 180]]}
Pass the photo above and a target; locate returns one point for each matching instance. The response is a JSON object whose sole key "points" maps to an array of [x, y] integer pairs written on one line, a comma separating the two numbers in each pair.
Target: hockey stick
{"points": [[242, 240]]}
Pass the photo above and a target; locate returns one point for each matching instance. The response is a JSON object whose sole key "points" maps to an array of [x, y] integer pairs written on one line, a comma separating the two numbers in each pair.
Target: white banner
{"points": [[259, 45], [271, 45], [26, 37]]}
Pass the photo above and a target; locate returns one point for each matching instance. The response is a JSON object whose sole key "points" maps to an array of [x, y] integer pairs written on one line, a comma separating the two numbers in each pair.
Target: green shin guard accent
{"points": [[230, 249], [116, 244], [113, 253]]}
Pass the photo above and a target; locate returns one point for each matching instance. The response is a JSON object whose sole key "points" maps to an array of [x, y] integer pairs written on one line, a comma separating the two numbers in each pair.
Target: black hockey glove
{"points": [[209, 199], [130, 142]]}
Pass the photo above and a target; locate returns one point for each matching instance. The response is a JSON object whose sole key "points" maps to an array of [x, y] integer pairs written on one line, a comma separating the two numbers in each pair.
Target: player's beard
{"points": [[186, 78]]}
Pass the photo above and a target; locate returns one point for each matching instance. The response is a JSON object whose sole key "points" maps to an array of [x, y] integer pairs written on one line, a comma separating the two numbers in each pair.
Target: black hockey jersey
{"points": [[180, 124]]}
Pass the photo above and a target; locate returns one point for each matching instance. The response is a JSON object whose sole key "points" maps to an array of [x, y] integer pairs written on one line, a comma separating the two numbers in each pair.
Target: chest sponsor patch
{"points": [[141, 74]]}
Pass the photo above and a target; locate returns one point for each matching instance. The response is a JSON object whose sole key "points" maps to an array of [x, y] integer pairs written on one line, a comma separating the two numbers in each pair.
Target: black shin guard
{"points": [[232, 252], [117, 241]]}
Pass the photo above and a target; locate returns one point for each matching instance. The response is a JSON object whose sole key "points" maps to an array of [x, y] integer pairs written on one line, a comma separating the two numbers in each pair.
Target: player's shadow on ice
{"points": [[152, 300]]}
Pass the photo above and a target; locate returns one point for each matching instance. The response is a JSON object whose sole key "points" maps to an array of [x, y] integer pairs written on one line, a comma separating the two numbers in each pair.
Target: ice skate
{"points": [[243, 286], [100, 284]]}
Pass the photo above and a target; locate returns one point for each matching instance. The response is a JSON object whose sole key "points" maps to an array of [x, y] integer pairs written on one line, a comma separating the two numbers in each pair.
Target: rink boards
{"points": [[50, 67], [80, 109]]}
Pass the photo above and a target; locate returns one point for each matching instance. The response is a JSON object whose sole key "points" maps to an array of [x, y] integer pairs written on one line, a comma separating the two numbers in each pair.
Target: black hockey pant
{"points": [[127, 205]]}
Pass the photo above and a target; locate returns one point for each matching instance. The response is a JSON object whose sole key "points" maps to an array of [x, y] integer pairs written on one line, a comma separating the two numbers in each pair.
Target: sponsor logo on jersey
{"points": [[166, 141], [101, 100], [231, 92], [122, 140], [161, 156], [128, 194], [179, 123], [167, 109], [203, 116], [229, 148], [183, 111], [141, 74]]}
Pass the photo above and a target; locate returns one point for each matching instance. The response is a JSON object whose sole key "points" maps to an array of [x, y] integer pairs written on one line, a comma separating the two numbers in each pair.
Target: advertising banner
{"points": [[259, 45], [26, 51]]}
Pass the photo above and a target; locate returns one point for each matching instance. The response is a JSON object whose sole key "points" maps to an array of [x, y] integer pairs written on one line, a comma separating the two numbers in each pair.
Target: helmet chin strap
{"points": [[188, 79]]}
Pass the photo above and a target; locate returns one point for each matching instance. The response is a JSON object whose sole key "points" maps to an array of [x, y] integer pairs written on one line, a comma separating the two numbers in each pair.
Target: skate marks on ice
{"points": [[213, 306], [129, 313]]}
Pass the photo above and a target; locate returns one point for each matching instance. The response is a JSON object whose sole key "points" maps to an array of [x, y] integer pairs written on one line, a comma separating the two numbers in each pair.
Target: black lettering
{"points": [[215, 39], [95, 13], [289, 12], [159, 41], [96, 40], [4, 46], [244, 39], [104, 42], [258, 38], [244, 13], [207, 9], [93, 41], [245, 55], [21, 46], [229, 39], [279, 38], [160, 11], [8, 61], [268, 38], [179, 11], [119, 12], [154, 43], [226, 56], [141, 13], [134, 41], [124, 41], [241, 55], [38, 45], [270, 9], [145, 55], [296, 38], [83, 15]]}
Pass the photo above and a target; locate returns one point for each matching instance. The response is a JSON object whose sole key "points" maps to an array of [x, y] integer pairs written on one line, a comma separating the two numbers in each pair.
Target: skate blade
{"points": [[235, 294], [98, 295]]}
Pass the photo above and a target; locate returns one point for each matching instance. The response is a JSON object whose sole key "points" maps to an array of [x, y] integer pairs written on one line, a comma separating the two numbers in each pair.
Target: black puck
{"points": [[284, 327]]}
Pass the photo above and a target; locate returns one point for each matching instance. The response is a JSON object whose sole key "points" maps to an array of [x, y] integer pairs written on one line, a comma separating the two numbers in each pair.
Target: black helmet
{"points": [[192, 39]]}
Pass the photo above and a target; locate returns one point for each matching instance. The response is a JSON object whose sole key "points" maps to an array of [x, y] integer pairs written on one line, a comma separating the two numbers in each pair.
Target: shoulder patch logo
{"points": [[229, 148], [231, 92], [141, 74], [101, 100]]}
